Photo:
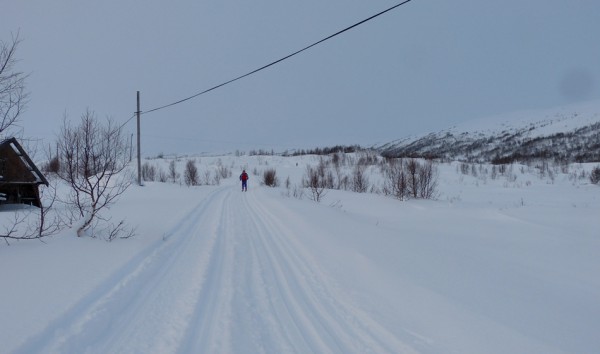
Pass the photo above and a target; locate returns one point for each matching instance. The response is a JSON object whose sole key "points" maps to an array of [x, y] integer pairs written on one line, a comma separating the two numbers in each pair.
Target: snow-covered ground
{"points": [[499, 263]]}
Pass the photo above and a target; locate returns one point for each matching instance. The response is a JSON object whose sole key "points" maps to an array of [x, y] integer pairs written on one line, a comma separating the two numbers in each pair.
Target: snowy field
{"points": [[497, 263]]}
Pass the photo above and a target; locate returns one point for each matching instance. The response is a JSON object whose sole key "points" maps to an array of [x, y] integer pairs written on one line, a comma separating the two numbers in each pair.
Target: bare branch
{"points": [[13, 97], [35, 223]]}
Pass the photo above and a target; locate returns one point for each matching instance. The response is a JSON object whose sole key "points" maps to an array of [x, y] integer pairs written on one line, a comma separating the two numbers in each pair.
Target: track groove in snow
{"points": [[143, 308], [231, 277]]}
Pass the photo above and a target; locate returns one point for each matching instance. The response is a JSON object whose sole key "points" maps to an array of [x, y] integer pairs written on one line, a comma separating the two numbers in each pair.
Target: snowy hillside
{"points": [[503, 261], [569, 133]]}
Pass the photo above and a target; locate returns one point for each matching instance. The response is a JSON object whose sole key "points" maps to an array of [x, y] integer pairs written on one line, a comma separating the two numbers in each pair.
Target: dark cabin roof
{"points": [[13, 144]]}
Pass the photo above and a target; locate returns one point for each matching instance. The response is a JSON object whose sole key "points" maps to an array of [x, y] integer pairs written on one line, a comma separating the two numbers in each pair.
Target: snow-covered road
{"points": [[231, 277], [490, 268]]}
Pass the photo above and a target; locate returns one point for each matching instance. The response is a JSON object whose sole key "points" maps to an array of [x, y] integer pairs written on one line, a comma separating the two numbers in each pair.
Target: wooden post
{"points": [[139, 149]]}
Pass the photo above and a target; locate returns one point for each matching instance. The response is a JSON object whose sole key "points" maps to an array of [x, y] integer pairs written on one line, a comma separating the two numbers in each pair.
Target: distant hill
{"points": [[570, 134]]}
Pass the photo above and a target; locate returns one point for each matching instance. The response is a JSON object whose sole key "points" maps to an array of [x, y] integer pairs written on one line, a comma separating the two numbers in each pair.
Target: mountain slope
{"points": [[569, 133]]}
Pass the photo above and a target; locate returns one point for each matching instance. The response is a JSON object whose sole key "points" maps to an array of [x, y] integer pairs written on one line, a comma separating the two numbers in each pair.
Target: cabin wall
{"points": [[16, 181]]}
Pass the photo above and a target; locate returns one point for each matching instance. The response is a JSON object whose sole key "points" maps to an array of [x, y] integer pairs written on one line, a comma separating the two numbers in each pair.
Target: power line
{"points": [[127, 121], [276, 61]]}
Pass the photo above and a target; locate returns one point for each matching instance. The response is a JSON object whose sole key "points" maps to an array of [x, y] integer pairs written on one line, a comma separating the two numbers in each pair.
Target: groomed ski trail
{"points": [[232, 277]]}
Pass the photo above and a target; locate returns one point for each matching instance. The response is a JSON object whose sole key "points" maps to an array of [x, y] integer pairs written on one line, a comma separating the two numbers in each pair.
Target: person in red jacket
{"points": [[244, 179]]}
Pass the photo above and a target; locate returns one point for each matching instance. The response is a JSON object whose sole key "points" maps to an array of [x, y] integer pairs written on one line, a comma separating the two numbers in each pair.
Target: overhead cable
{"points": [[278, 60]]}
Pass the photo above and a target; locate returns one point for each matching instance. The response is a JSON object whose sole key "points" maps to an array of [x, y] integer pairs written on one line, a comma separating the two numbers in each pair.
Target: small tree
{"points": [[93, 160]]}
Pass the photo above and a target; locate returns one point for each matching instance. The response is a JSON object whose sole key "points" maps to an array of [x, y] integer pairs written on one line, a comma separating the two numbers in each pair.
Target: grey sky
{"points": [[422, 67]]}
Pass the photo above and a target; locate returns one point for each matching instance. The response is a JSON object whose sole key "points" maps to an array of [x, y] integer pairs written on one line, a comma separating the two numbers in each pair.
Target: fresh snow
{"points": [[504, 265]]}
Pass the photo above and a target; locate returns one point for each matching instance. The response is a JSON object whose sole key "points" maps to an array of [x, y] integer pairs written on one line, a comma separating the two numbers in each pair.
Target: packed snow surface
{"points": [[494, 265]]}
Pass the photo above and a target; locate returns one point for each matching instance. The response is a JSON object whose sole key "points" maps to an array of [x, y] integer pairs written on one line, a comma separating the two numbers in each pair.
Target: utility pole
{"points": [[139, 149]]}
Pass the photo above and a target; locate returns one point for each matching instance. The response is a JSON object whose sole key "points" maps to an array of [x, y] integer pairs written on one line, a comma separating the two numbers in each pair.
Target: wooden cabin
{"points": [[19, 177]]}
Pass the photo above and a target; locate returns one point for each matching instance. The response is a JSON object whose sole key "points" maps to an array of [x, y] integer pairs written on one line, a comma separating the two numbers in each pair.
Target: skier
{"points": [[244, 179]]}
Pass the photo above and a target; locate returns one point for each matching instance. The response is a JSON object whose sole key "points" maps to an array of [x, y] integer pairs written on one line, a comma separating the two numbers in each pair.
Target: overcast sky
{"points": [[423, 67]]}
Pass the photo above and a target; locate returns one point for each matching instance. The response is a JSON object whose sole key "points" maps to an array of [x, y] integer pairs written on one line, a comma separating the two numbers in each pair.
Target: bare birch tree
{"points": [[93, 160]]}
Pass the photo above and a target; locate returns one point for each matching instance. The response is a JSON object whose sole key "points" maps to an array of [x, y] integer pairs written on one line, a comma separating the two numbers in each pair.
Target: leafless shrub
{"points": [[119, 231], [367, 158], [595, 175], [336, 160], [395, 179], [148, 172], [325, 176], [223, 171], [473, 171], [502, 169], [207, 177], [35, 223], [427, 181], [53, 166], [464, 168], [411, 168], [315, 182], [344, 183], [270, 178], [190, 174], [162, 176], [298, 192], [360, 182], [321, 167], [411, 179], [173, 174], [494, 172]]}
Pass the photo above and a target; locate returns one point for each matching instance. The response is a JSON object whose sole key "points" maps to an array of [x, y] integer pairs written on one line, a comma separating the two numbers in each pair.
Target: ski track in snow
{"points": [[230, 278]]}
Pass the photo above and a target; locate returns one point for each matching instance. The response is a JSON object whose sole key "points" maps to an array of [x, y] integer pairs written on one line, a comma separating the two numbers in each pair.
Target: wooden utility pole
{"points": [[139, 149]]}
